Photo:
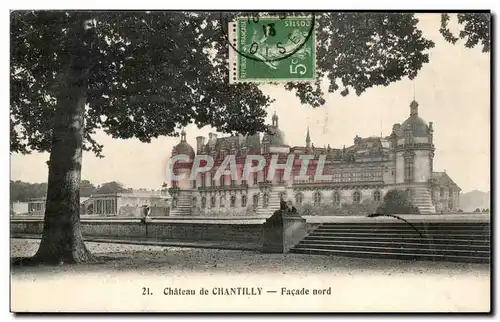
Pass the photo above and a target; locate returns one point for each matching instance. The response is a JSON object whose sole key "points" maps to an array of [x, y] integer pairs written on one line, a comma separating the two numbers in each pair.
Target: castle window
{"points": [[356, 197], [408, 164], [266, 201], [317, 198], [222, 201], [280, 175], [203, 178], [336, 197], [243, 201], [213, 180], [376, 196], [203, 202], [298, 199], [233, 201], [255, 201], [212, 202]]}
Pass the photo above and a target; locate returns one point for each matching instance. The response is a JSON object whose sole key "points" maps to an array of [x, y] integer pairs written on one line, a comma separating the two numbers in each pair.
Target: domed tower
{"points": [[274, 137], [183, 167], [414, 158]]}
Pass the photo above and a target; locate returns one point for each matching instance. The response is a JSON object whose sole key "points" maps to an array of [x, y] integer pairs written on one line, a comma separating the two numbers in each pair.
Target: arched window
{"points": [[203, 202], [243, 201], [255, 201], [298, 199], [317, 198], [266, 200], [356, 197], [222, 201], [212, 202], [336, 197], [376, 196], [233, 201]]}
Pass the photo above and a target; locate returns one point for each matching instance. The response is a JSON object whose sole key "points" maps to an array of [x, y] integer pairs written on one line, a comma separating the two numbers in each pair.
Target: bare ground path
{"points": [[358, 284]]}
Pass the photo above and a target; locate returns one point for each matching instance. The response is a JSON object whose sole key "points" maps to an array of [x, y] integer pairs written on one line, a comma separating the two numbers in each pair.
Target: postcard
{"points": [[172, 161]]}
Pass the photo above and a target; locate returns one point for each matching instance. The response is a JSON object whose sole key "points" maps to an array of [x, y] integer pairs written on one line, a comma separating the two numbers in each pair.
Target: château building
{"points": [[362, 172]]}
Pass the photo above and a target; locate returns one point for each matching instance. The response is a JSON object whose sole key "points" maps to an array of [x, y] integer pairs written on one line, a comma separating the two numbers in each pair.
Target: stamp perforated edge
{"points": [[233, 32]]}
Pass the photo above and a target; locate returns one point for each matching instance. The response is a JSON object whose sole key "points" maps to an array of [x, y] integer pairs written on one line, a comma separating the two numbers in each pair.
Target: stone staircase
{"points": [[184, 207], [421, 197], [274, 202], [443, 241]]}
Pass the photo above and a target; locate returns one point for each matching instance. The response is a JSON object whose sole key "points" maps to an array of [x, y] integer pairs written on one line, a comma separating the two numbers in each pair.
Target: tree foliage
{"points": [[23, 191], [152, 72], [397, 202], [474, 29]]}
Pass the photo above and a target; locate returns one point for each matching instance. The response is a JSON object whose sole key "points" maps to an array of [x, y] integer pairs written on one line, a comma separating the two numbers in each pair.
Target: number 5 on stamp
{"points": [[272, 49]]}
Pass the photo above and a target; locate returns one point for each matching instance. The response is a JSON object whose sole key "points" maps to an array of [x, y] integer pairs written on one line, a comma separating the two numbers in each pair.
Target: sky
{"points": [[453, 92]]}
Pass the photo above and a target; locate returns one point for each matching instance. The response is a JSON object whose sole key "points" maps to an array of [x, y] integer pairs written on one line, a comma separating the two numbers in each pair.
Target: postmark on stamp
{"points": [[272, 49]]}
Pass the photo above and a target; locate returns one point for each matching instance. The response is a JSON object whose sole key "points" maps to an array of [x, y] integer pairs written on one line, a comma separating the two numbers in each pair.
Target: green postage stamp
{"points": [[272, 49]]}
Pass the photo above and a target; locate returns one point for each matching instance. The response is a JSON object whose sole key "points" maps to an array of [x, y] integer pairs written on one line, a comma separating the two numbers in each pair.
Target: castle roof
{"points": [[414, 123], [443, 179]]}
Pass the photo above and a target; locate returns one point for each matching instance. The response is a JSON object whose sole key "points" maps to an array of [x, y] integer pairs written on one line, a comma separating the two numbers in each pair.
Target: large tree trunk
{"points": [[62, 240]]}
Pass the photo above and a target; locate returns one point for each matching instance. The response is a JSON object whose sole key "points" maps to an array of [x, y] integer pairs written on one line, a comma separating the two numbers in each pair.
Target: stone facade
{"points": [[361, 173]]}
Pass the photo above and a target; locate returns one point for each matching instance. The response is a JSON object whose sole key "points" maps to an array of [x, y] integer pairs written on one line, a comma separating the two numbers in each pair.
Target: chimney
{"points": [[200, 142]]}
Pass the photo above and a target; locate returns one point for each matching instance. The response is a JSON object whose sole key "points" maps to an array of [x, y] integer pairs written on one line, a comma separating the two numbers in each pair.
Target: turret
{"points": [[275, 119]]}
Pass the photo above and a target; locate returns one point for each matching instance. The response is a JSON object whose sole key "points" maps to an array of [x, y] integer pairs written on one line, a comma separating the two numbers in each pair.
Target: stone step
{"points": [[461, 242], [391, 255], [405, 234], [382, 230], [401, 249], [484, 246]]}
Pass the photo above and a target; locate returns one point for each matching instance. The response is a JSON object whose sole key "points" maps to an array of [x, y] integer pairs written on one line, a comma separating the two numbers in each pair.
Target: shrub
{"points": [[397, 202]]}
